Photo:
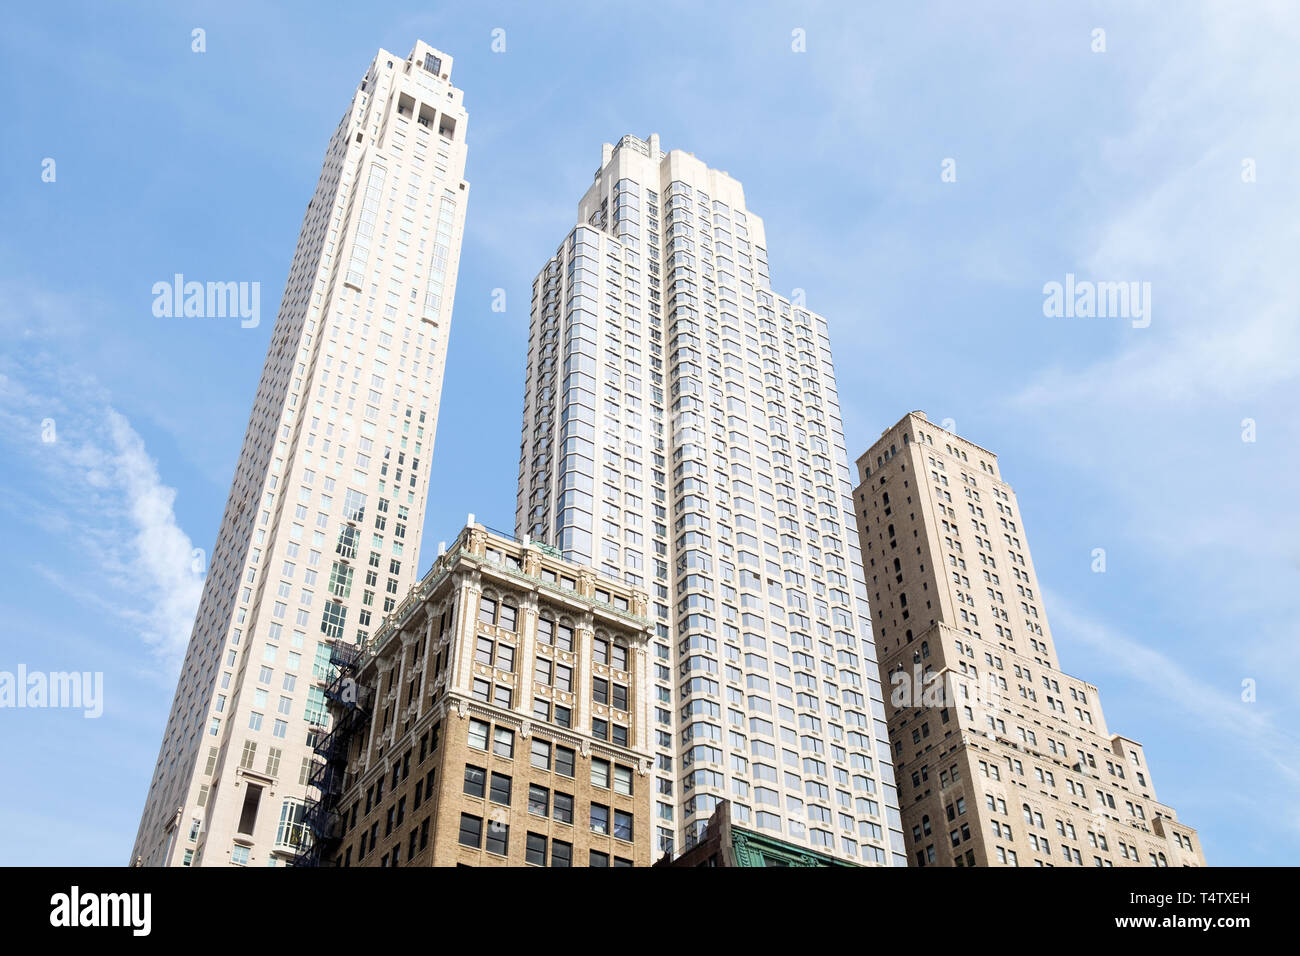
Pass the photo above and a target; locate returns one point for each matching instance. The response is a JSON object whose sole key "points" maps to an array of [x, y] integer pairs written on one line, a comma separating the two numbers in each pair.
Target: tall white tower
{"points": [[682, 432], [321, 533]]}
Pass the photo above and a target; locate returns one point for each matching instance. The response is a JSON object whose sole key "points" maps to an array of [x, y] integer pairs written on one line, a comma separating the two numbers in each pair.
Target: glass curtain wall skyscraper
{"points": [[321, 532], [682, 433]]}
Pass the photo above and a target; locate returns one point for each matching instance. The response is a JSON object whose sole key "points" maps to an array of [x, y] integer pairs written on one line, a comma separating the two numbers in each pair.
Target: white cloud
{"points": [[1248, 729], [109, 520]]}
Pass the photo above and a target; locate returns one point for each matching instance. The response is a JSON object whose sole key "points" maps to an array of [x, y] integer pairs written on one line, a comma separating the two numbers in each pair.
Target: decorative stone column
{"points": [[408, 641], [583, 658], [424, 664], [526, 652], [467, 589], [382, 666]]}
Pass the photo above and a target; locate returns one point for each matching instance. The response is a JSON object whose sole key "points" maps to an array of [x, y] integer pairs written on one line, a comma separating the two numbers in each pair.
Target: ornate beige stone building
{"points": [[1001, 758], [499, 717]]}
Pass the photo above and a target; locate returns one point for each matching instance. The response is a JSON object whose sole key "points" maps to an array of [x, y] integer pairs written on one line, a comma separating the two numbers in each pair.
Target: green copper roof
{"points": [[755, 849]]}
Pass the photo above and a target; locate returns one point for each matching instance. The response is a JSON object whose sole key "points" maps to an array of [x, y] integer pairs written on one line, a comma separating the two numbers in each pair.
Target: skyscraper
{"points": [[321, 532], [1003, 759], [682, 432]]}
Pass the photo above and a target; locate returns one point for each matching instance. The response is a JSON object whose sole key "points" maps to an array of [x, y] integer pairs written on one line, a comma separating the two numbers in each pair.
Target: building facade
{"points": [[682, 431], [498, 718], [1003, 759], [321, 532]]}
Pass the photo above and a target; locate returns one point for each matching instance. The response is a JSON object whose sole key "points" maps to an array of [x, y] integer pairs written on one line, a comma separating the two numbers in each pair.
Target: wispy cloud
{"points": [[108, 519], [1244, 726]]}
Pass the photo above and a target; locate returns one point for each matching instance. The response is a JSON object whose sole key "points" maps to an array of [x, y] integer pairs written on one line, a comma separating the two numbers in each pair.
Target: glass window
{"points": [[475, 777], [564, 761], [508, 616], [561, 853], [623, 825], [540, 756], [471, 830], [623, 780], [535, 850], [501, 787], [564, 807], [539, 800], [498, 838], [503, 742]]}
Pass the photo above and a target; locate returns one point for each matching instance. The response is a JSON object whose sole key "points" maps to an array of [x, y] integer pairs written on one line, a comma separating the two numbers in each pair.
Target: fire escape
{"points": [[349, 708]]}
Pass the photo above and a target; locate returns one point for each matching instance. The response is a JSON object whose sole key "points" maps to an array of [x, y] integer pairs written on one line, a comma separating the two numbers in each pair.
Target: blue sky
{"points": [[1125, 164]]}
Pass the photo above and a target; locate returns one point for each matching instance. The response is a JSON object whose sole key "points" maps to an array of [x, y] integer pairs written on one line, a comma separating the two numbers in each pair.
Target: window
{"points": [[290, 831], [535, 849], [478, 734], [622, 825], [564, 761], [564, 637], [498, 838], [540, 754], [239, 855], [475, 778], [564, 807], [600, 773], [623, 780], [539, 800], [599, 818], [471, 830], [561, 853], [503, 742], [598, 859], [248, 815], [500, 790], [507, 617]]}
